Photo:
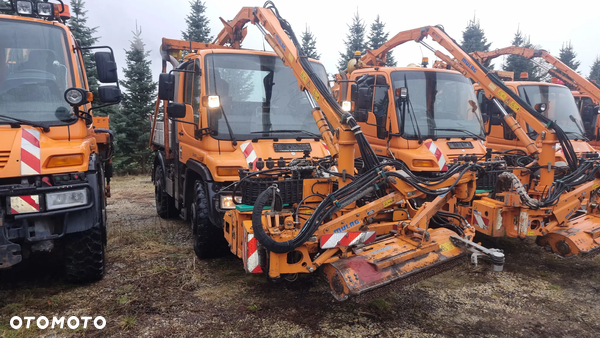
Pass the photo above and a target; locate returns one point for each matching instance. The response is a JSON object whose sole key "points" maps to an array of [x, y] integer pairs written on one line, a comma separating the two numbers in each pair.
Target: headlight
{"points": [[76, 96], [25, 7], [66, 199], [214, 101], [346, 105], [45, 9], [227, 201]]}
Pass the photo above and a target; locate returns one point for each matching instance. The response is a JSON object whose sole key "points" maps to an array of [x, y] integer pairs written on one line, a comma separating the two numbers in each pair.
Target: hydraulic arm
{"points": [[513, 212], [564, 73], [366, 230]]}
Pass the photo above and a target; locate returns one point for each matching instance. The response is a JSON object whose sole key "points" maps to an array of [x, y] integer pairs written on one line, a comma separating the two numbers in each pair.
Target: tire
{"points": [[165, 204], [85, 255], [209, 241]]}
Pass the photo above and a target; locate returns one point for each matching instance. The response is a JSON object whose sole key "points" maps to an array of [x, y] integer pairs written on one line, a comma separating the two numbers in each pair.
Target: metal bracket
{"points": [[493, 256]]}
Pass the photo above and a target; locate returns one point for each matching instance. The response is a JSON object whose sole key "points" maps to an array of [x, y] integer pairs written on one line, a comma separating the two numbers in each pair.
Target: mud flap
{"points": [[389, 260], [581, 236], [10, 253]]}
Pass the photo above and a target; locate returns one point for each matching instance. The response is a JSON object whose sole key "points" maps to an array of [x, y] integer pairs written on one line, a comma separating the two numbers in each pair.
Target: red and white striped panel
{"points": [[30, 152], [249, 153], [252, 255], [24, 204], [480, 221], [438, 155], [350, 238]]}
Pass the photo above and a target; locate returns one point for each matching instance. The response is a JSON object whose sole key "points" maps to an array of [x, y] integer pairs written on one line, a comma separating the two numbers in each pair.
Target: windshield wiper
{"points": [[288, 131], [578, 127], [462, 131], [44, 127], [413, 117]]}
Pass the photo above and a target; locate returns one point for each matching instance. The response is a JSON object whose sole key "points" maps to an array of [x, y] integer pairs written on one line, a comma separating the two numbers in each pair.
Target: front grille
{"points": [[4, 155]]}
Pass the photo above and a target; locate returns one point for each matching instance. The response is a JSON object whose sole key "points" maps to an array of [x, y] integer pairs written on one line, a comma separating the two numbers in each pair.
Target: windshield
{"points": [[259, 96], [33, 75], [440, 105], [561, 107]]}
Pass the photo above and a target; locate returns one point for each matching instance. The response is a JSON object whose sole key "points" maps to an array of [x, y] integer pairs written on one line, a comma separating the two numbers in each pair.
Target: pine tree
{"points": [[519, 64], [355, 41], [567, 55], [595, 71], [377, 37], [309, 44], [197, 23], [131, 125], [86, 37], [474, 40]]}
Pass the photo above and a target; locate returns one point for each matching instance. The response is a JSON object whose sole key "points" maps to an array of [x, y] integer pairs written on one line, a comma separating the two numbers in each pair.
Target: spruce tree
{"points": [[377, 37], [567, 55], [355, 41], [519, 64], [86, 37], [132, 124], [595, 71], [474, 40], [197, 24], [309, 44]]}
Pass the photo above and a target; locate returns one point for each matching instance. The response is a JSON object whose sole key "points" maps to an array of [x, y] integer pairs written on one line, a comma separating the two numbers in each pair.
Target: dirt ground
{"points": [[155, 287]]}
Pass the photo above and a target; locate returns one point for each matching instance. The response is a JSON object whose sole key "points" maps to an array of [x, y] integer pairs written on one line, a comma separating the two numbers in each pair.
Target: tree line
{"points": [[130, 119]]}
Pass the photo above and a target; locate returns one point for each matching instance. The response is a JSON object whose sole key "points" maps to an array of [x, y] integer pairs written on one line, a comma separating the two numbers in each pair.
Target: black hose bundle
{"points": [[330, 204]]}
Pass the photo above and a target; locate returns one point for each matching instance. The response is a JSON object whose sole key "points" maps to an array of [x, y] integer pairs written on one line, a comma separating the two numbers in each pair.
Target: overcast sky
{"points": [[547, 26]]}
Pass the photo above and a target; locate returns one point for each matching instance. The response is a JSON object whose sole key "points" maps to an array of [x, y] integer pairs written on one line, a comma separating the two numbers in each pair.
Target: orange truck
{"points": [[533, 199], [362, 229], [229, 109], [425, 117], [55, 157], [576, 117]]}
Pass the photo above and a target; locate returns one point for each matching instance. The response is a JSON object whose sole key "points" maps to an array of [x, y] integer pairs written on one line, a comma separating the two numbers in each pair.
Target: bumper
{"points": [[20, 231]]}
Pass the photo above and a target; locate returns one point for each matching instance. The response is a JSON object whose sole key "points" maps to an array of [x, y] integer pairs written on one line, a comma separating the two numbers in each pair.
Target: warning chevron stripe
{"points": [[249, 153], [30, 152], [252, 255], [24, 204], [350, 238], [438, 155]]}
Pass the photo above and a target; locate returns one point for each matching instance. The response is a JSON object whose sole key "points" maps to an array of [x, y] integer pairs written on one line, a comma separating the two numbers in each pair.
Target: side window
{"points": [[196, 92], [189, 84], [191, 94], [380, 97]]}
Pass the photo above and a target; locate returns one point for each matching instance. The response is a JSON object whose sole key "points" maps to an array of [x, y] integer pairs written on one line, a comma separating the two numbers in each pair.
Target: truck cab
{"points": [[54, 155], [552, 100], [226, 110], [425, 117]]}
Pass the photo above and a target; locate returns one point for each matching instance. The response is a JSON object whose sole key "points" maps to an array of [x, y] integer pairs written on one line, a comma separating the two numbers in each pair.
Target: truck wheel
{"points": [[209, 241], [84, 255], [165, 204]]}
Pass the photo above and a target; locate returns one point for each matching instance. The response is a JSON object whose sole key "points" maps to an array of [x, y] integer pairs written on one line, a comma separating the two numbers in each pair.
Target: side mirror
{"points": [[109, 94], [106, 67], [166, 87], [353, 92], [361, 115], [176, 110], [364, 98]]}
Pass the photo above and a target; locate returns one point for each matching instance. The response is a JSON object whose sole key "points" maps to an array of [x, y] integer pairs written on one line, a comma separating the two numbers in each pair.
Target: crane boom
{"points": [[572, 77]]}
